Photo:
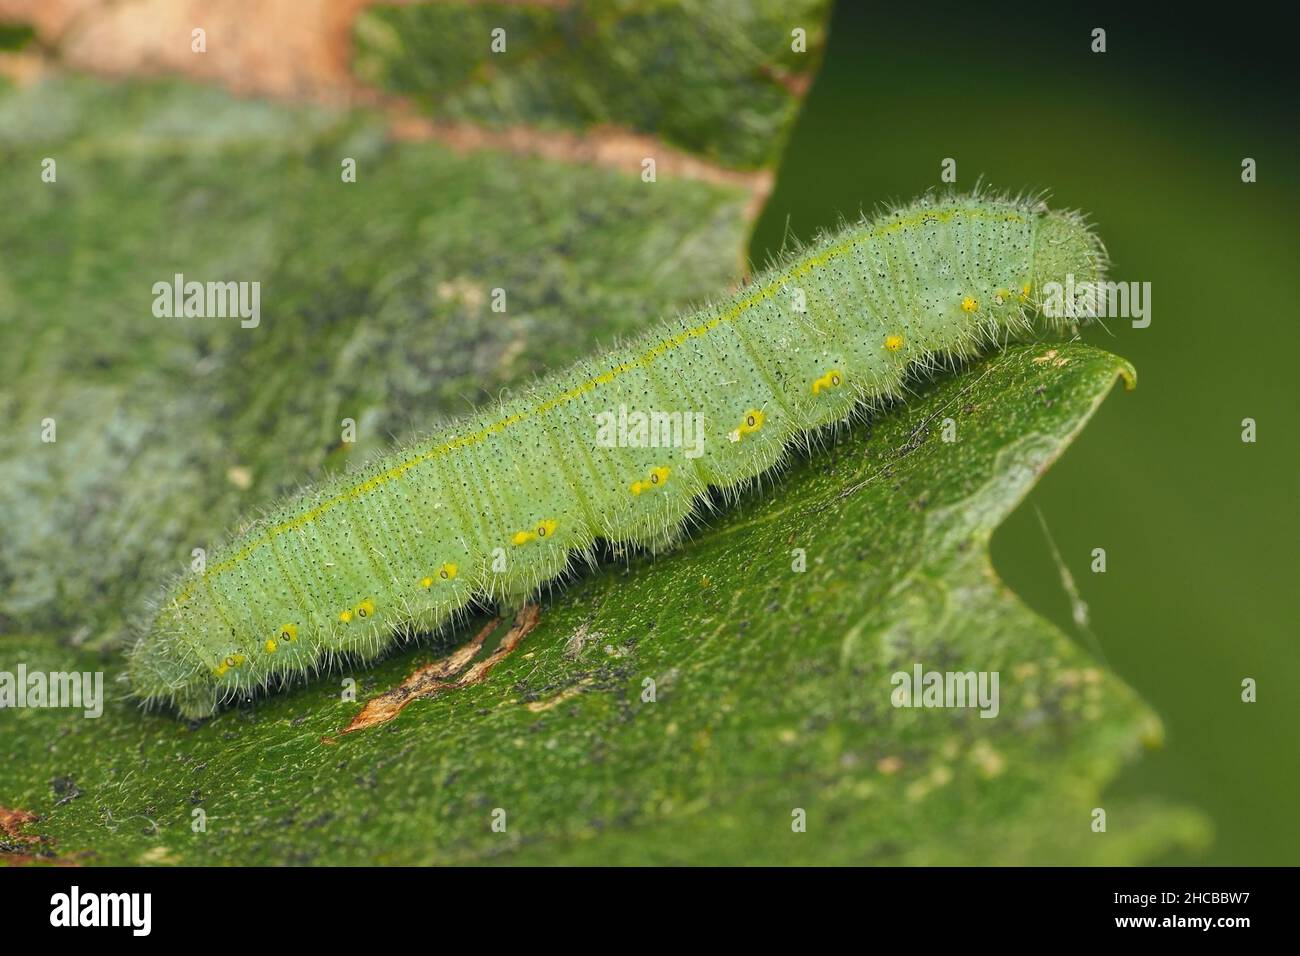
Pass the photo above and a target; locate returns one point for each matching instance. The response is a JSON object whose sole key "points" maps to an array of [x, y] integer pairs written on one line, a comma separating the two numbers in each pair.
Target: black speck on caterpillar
{"points": [[496, 505]]}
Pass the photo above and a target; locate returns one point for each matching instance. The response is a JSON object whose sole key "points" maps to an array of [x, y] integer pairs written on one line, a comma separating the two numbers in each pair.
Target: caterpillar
{"points": [[496, 505]]}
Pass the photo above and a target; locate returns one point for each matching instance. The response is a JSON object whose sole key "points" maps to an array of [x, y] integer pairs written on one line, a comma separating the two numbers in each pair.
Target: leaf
{"points": [[772, 693], [719, 80]]}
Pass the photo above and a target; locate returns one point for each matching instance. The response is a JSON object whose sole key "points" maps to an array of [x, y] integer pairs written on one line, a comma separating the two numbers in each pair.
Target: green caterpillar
{"points": [[498, 504]]}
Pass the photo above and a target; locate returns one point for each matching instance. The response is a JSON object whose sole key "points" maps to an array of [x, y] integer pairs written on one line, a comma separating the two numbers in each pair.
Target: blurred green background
{"points": [[1200, 529]]}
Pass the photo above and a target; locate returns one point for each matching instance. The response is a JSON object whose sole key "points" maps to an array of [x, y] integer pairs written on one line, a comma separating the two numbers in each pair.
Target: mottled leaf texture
{"points": [[718, 79]]}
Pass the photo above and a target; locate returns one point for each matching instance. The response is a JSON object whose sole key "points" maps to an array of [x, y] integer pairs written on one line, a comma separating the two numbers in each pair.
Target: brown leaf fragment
{"points": [[432, 679], [11, 821]]}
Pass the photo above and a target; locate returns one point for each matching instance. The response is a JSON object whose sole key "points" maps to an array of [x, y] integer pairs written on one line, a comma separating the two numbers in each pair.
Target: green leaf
{"points": [[772, 693], [715, 79]]}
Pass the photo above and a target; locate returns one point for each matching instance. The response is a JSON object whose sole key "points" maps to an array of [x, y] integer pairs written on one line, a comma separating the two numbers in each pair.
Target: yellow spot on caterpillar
{"points": [[447, 572], [345, 616], [894, 343], [543, 529], [658, 476], [426, 582], [366, 608], [1024, 292], [270, 646], [289, 633], [234, 660], [751, 423], [969, 305], [831, 379]]}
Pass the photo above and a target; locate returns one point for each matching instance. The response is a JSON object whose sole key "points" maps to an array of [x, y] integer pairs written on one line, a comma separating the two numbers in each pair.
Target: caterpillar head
{"points": [[166, 667], [1069, 269]]}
